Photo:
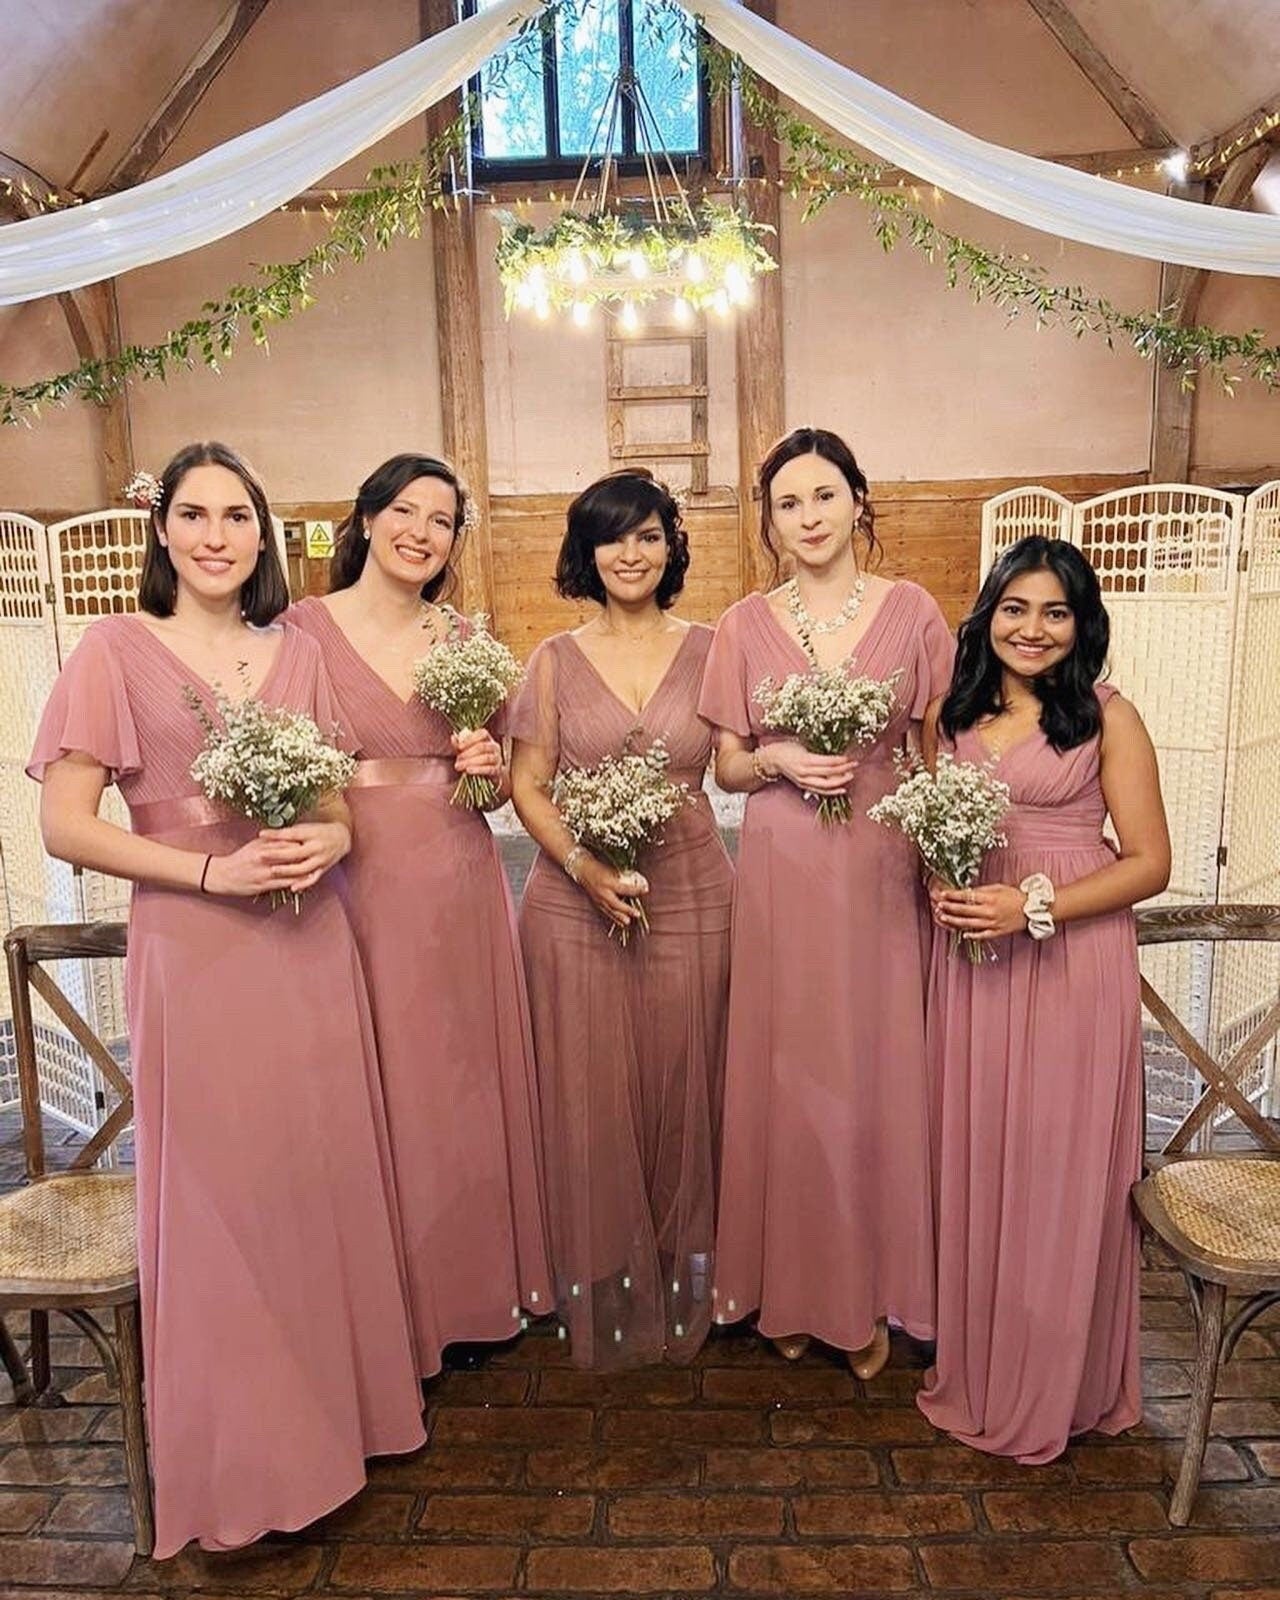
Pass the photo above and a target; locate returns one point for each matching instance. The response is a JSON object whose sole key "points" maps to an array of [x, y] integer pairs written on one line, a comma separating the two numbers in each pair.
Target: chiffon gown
{"points": [[275, 1337], [826, 1206], [630, 1041], [1039, 1058], [435, 928]]}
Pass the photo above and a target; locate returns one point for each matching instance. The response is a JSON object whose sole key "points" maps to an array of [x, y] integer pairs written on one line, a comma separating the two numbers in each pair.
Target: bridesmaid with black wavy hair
{"points": [[1038, 1053]]}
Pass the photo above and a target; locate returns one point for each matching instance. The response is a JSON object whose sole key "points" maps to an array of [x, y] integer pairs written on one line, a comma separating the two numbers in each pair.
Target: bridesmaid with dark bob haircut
{"points": [[629, 1041]]}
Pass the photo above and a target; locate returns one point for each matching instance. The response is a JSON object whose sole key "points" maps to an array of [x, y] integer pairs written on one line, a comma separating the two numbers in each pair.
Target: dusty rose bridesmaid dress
{"points": [[826, 1207], [1039, 1060], [435, 928], [274, 1329], [630, 1042]]}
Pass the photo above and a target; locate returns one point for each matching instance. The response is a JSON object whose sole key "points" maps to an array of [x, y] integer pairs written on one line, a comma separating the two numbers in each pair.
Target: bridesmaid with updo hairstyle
{"points": [[629, 1039], [277, 1349], [434, 921], [826, 1206]]}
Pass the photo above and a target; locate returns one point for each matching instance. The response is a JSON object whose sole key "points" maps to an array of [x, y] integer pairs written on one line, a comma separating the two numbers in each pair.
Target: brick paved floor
{"points": [[741, 1477]]}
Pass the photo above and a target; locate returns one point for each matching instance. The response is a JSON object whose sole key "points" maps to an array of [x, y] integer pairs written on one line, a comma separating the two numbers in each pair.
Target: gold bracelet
{"points": [[757, 768]]}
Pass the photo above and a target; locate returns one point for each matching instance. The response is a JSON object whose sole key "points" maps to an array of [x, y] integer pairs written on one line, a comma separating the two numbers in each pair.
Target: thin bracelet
{"points": [[570, 862], [757, 767], [204, 873]]}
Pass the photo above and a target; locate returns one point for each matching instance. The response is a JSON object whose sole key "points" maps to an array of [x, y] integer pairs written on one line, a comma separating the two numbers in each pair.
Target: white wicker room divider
{"points": [[1191, 578]]}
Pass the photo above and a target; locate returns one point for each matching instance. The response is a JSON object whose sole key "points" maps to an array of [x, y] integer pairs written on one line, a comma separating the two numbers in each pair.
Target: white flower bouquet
{"points": [[618, 808], [828, 710], [268, 763], [466, 680], [952, 815]]}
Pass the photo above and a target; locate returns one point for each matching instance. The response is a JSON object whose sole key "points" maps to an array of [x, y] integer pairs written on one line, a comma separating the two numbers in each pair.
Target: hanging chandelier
{"points": [[623, 253]]}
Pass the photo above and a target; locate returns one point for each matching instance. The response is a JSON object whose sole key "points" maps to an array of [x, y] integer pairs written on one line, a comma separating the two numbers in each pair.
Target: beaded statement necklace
{"points": [[808, 626]]}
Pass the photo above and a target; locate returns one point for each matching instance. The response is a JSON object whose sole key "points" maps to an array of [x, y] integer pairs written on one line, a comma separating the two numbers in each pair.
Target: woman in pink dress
{"points": [[276, 1343], [629, 1039], [434, 923], [826, 1210], [1039, 1052]]}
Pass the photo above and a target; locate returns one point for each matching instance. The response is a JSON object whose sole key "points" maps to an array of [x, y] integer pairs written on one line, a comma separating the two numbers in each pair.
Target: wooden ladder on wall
{"points": [[621, 396]]}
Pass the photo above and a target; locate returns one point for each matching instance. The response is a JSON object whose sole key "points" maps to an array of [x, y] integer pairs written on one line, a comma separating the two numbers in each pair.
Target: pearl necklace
{"points": [[807, 626]]}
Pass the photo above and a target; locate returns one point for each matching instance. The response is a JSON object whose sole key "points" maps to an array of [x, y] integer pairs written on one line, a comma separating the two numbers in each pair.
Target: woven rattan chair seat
{"points": [[75, 1229], [1228, 1207]]}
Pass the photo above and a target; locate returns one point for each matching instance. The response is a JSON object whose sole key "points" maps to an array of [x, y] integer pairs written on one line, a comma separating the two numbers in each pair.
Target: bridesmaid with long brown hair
{"points": [[629, 1039], [434, 922], [276, 1344], [826, 1217]]}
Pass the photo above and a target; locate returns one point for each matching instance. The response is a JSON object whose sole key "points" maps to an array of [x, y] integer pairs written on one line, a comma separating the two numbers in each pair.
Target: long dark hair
{"points": [[607, 510], [383, 485], [1069, 711], [265, 592], [831, 447]]}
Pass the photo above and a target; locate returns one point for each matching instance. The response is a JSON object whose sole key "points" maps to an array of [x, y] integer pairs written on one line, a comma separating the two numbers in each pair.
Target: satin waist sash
{"points": [[188, 811], [388, 771]]}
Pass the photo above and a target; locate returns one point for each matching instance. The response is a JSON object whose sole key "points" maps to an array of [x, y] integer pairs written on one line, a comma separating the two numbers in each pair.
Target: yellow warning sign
{"points": [[319, 540]]}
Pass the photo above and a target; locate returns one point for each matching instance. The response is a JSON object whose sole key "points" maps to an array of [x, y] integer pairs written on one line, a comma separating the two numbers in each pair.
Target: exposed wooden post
{"points": [[1181, 288], [460, 354], [93, 320], [761, 393]]}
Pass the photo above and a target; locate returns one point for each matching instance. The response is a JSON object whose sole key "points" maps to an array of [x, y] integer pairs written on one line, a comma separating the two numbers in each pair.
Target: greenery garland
{"points": [[817, 171], [391, 205]]}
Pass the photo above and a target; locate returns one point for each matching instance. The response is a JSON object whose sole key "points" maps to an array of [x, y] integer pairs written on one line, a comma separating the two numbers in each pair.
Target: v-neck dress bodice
{"points": [[630, 1041], [265, 1205], [826, 1202], [1037, 1057], [435, 927]]}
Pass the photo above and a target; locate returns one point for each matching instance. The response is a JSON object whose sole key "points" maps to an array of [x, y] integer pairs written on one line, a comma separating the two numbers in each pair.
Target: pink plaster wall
{"points": [[1240, 432]]}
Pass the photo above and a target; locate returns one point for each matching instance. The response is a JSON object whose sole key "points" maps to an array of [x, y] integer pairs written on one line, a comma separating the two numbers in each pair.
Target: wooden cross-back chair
{"points": [[67, 1238], [1216, 1213]]}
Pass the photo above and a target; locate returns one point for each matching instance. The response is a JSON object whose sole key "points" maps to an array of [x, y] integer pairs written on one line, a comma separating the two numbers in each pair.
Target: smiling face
{"points": [[631, 567], [411, 538], [211, 532], [1033, 628], [812, 511]]}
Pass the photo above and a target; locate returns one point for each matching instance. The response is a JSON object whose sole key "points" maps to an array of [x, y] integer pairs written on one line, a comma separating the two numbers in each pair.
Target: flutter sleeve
{"points": [[935, 656], [533, 712], [725, 701], [88, 712]]}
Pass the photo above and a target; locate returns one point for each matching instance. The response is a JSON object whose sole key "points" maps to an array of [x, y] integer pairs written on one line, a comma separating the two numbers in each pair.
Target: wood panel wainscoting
{"points": [[929, 530]]}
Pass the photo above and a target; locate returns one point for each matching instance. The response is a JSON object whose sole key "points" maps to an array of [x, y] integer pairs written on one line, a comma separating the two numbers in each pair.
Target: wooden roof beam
{"points": [[1141, 121], [167, 122], [1259, 127]]}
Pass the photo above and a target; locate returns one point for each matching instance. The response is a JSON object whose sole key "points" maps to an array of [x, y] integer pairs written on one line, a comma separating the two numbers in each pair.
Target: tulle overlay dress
{"points": [[275, 1337], [1038, 1057], [630, 1042], [826, 1210], [435, 928]]}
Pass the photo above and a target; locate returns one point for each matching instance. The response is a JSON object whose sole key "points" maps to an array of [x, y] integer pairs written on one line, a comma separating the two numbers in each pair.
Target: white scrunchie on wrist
{"points": [[1040, 896]]}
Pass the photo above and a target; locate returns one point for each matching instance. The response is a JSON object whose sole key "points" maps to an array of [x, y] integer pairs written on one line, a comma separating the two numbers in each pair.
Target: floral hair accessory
{"points": [[143, 490], [470, 516]]}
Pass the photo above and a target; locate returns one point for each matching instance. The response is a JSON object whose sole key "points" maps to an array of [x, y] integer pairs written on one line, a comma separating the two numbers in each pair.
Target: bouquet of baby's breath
{"points": [[618, 807], [268, 763], [466, 680], [827, 710], [952, 815]]}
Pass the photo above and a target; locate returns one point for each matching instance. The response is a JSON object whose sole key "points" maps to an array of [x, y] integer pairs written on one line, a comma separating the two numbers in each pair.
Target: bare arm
{"points": [[73, 831], [1131, 787], [532, 774], [742, 766], [929, 734]]}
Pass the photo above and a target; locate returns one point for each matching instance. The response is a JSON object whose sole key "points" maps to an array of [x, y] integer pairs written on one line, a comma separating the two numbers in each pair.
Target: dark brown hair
{"points": [[607, 510], [265, 592], [383, 485], [831, 447]]}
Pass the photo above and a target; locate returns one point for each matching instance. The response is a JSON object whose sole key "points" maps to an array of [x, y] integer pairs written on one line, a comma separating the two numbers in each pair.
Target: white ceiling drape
{"points": [[248, 177], [1055, 199], [239, 182]]}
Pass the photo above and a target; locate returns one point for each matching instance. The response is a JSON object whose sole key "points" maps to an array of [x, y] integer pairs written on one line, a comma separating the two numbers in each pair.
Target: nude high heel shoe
{"points": [[792, 1347], [865, 1363]]}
